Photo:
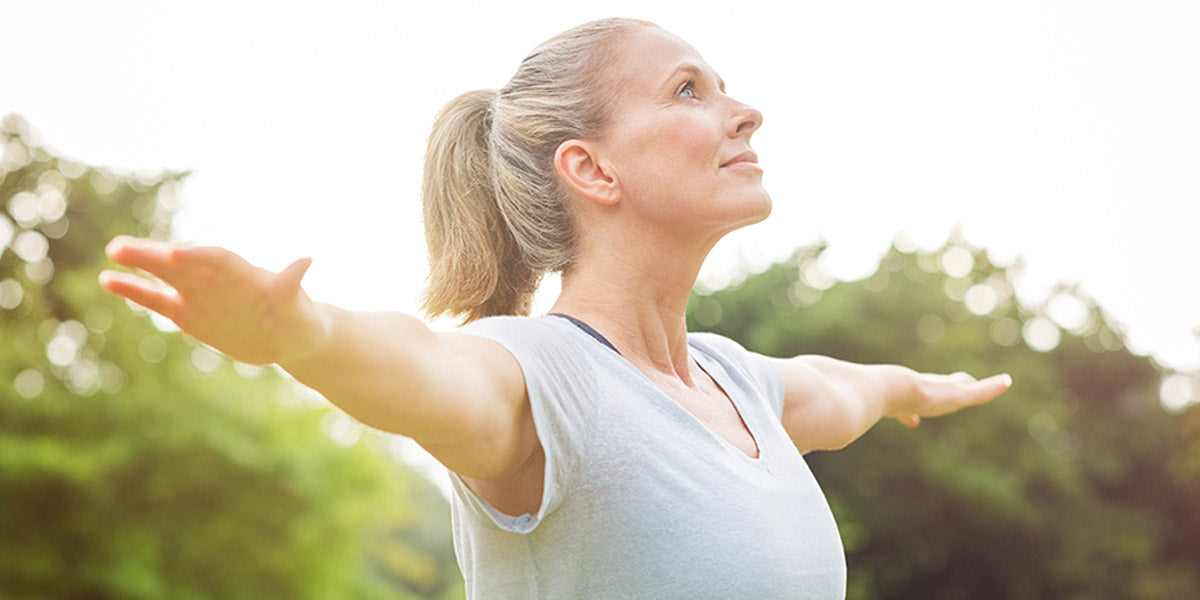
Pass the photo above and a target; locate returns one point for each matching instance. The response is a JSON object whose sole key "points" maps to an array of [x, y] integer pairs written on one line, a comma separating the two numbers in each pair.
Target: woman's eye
{"points": [[686, 91]]}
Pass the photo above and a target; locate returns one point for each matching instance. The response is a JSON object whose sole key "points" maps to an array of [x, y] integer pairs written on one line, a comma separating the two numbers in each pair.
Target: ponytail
{"points": [[476, 266], [496, 217]]}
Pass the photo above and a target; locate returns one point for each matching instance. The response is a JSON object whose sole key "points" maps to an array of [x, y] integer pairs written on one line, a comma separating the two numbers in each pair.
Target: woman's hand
{"points": [[937, 395], [251, 314]]}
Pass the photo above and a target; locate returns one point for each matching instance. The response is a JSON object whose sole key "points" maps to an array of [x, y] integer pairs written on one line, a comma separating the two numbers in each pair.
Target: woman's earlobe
{"points": [[585, 173]]}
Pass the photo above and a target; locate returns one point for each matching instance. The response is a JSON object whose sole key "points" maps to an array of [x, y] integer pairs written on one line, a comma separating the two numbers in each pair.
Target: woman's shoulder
{"points": [[543, 337], [718, 345], [513, 332], [509, 325], [496, 321], [731, 355]]}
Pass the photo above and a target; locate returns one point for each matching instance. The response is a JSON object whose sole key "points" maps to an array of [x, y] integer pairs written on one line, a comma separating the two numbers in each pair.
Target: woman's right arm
{"points": [[461, 397]]}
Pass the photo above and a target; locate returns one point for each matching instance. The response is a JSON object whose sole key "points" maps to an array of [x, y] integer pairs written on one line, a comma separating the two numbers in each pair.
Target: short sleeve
{"points": [[556, 378]]}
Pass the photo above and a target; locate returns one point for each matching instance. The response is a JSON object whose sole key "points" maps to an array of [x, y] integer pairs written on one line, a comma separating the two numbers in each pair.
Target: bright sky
{"points": [[1065, 133]]}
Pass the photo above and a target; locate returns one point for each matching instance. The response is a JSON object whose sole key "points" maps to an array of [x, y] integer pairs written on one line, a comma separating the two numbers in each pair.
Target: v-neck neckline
{"points": [[722, 382], [714, 370]]}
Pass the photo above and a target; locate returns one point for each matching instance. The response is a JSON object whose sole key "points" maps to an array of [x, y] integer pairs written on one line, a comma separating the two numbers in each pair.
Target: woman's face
{"points": [[678, 145]]}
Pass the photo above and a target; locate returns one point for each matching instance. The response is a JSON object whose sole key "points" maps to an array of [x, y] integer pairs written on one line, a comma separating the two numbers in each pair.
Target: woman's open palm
{"points": [[249, 313]]}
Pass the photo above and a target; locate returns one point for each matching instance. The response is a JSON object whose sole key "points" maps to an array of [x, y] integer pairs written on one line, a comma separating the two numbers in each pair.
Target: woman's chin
{"points": [[760, 209]]}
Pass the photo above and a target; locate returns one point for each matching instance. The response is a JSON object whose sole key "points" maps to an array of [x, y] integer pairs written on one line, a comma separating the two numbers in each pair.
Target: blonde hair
{"points": [[496, 216]]}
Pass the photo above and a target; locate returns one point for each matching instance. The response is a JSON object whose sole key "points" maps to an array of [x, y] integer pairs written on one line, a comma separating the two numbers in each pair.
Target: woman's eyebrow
{"points": [[697, 72]]}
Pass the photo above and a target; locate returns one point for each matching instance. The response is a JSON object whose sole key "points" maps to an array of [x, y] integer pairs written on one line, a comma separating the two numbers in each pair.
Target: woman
{"points": [[600, 451]]}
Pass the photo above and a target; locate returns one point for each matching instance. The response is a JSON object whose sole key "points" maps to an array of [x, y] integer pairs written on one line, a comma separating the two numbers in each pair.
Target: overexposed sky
{"points": [[1065, 133]]}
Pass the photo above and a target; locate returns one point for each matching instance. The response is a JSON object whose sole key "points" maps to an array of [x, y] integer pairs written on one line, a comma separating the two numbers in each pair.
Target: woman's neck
{"points": [[636, 300]]}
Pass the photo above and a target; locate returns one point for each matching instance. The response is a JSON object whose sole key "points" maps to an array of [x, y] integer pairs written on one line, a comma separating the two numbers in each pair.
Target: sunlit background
{"points": [[1061, 134], [1015, 181]]}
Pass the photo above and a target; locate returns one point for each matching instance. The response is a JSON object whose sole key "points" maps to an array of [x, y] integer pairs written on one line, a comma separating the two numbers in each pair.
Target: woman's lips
{"points": [[746, 158]]}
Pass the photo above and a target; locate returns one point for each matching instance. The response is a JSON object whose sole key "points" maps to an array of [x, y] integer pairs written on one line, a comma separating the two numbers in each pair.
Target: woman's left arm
{"points": [[829, 403]]}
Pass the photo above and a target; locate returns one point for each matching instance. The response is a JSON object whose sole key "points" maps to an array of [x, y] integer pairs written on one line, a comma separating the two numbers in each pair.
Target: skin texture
{"points": [[652, 194]]}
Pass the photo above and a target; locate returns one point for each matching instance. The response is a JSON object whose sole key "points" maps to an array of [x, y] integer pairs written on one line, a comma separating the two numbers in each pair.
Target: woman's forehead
{"points": [[651, 56]]}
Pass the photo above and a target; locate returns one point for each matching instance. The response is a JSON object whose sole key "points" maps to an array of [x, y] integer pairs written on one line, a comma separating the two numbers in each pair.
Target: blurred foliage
{"points": [[137, 464], [1074, 484]]}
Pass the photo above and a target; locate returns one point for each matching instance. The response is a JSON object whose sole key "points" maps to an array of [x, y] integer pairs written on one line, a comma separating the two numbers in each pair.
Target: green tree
{"points": [[1074, 484], [137, 464]]}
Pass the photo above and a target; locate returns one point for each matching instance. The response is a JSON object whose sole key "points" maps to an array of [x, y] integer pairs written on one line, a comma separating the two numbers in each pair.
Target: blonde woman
{"points": [[600, 451]]}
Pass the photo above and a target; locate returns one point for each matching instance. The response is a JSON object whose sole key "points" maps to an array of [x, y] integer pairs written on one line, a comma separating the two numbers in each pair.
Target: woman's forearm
{"points": [[382, 368]]}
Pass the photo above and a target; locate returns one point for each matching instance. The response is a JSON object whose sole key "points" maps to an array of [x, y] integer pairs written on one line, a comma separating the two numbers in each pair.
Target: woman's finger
{"points": [[150, 256], [962, 377], [210, 257], [973, 393], [187, 269], [993, 386], [141, 292]]}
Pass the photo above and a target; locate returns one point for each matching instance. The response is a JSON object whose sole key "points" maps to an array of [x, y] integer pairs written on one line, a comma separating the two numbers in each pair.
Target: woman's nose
{"points": [[745, 120]]}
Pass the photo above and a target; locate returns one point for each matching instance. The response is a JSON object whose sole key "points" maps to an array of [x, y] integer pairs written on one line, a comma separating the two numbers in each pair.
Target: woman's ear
{"points": [[581, 168]]}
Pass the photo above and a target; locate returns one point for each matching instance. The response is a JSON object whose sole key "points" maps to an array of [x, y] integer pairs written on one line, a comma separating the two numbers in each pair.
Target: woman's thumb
{"points": [[288, 281]]}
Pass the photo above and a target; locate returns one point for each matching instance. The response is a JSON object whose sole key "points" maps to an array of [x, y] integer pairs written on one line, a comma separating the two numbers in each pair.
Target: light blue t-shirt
{"points": [[641, 500]]}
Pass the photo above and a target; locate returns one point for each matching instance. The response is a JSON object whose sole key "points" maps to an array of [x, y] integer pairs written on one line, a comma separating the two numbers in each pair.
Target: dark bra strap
{"points": [[588, 330]]}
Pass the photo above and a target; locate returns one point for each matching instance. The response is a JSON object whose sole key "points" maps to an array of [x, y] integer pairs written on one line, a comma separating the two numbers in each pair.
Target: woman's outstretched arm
{"points": [[461, 397], [829, 403]]}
